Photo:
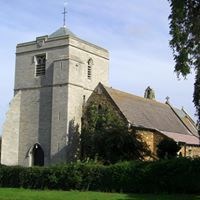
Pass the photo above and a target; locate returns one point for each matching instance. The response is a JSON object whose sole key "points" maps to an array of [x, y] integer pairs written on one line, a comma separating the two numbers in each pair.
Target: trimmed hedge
{"points": [[165, 176]]}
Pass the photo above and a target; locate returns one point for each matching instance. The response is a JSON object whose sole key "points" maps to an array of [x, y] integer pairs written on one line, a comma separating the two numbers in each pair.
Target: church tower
{"points": [[54, 76]]}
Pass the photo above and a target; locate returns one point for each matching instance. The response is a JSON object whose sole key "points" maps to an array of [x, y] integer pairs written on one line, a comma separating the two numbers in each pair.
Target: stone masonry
{"points": [[46, 110]]}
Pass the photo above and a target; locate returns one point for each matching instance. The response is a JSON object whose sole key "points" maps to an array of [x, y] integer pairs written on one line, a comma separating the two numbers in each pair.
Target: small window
{"points": [[89, 72], [100, 109], [83, 99], [40, 65]]}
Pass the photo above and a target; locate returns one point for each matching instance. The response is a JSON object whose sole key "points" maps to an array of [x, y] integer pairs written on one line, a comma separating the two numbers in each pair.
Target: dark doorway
{"points": [[38, 155]]}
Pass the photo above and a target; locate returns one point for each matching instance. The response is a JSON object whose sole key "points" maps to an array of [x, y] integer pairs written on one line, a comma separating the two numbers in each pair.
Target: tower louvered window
{"points": [[89, 72], [40, 65]]}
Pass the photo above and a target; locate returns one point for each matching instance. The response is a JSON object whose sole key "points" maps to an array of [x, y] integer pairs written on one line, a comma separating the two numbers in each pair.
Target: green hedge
{"points": [[165, 176]]}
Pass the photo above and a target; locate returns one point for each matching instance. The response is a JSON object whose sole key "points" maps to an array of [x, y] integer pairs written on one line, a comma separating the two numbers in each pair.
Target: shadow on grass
{"points": [[161, 197]]}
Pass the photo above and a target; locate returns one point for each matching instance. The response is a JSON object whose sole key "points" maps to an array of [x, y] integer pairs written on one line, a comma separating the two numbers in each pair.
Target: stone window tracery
{"points": [[40, 69]]}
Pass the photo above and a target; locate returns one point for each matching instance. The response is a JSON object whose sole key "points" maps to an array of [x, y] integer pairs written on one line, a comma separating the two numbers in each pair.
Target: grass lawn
{"points": [[22, 194]]}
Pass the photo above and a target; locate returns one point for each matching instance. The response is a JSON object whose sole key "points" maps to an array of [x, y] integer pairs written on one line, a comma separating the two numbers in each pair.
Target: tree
{"points": [[107, 138], [185, 42], [167, 148]]}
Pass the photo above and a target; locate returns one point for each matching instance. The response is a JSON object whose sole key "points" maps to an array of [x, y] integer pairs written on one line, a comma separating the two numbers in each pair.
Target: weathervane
{"points": [[64, 14]]}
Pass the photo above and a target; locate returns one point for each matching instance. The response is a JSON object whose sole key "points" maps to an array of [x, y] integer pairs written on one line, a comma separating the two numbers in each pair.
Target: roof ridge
{"points": [[147, 113], [136, 96]]}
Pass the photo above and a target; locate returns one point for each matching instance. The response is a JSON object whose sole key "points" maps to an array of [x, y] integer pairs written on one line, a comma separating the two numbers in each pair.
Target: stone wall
{"points": [[50, 108], [189, 151], [58, 49], [153, 138], [148, 137], [158, 137], [35, 123], [100, 97], [11, 130]]}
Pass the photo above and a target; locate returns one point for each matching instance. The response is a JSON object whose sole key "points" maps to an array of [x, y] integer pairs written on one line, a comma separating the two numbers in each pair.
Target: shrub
{"points": [[10, 176], [167, 149], [168, 176], [106, 137], [33, 178]]}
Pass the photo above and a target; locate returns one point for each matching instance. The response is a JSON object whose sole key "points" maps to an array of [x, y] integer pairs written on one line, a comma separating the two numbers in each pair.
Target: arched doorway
{"points": [[37, 155]]}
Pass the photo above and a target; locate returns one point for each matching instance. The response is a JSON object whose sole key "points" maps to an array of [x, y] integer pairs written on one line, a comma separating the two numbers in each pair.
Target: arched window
{"points": [[36, 155], [40, 69], [89, 71]]}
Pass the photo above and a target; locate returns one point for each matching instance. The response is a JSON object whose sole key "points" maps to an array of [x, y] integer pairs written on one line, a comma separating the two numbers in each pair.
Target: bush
{"points": [[33, 178], [168, 176], [106, 137], [167, 149], [10, 176]]}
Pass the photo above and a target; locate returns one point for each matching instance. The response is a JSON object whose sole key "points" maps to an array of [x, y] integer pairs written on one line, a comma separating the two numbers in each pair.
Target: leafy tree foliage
{"points": [[167, 148], [185, 42], [107, 138]]}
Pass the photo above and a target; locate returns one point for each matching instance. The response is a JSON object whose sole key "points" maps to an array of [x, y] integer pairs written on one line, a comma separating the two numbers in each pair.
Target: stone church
{"points": [[54, 77], [152, 120]]}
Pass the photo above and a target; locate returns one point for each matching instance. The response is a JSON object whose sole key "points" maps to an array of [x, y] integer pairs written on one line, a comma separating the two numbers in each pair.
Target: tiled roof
{"points": [[189, 139], [187, 121], [142, 112], [61, 32]]}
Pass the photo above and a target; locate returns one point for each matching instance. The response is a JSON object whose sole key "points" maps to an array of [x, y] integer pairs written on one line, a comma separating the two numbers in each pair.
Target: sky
{"points": [[135, 32]]}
